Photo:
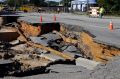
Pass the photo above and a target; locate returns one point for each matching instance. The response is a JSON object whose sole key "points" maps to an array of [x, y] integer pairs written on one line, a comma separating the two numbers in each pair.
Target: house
{"points": [[82, 5]]}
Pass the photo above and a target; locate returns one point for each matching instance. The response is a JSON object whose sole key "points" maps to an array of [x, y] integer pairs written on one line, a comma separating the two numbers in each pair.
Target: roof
{"points": [[84, 1]]}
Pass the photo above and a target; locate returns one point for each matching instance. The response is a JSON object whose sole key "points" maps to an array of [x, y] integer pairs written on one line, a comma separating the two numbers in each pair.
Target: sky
{"points": [[1, 0], [54, 0], [49, 0]]}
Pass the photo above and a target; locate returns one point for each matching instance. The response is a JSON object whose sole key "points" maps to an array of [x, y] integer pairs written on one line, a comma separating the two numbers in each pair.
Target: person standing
{"points": [[101, 12], [58, 10]]}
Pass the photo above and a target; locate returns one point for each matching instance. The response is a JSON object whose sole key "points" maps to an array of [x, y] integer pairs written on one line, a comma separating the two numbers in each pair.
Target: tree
{"points": [[110, 5], [16, 3], [11, 3], [38, 2], [52, 3], [66, 2], [116, 5]]}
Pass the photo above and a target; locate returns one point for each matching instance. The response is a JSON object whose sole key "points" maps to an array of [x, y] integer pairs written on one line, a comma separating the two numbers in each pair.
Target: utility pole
{"points": [[22, 3], [15, 4], [87, 5], [65, 5], [59, 2], [48, 5]]}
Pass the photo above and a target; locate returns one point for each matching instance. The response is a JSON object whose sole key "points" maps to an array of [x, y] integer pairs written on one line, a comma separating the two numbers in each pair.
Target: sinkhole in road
{"points": [[71, 35], [90, 48]]}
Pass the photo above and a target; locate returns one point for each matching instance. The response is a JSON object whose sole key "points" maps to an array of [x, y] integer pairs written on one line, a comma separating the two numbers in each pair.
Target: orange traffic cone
{"points": [[54, 18], [39, 28], [41, 19], [111, 25]]}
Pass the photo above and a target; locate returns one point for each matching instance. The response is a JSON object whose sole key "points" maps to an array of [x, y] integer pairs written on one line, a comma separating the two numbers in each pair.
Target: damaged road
{"points": [[34, 56], [36, 50]]}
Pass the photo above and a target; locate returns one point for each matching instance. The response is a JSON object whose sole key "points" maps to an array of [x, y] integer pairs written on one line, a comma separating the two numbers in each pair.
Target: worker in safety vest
{"points": [[101, 12]]}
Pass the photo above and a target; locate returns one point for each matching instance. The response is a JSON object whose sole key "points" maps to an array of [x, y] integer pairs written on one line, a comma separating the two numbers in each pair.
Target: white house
{"points": [[81, 5]]}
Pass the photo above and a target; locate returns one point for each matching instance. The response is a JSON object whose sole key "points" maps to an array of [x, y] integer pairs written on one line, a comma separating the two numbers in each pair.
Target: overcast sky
{"points": [[1, 0], [47, 0]]}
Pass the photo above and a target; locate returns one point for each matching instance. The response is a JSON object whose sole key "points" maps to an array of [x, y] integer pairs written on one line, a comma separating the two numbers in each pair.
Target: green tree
{"points": [[38, 2], [52, 3], [110, 5], [66, 2], [11, 3], [116, 5], [16, 3]]}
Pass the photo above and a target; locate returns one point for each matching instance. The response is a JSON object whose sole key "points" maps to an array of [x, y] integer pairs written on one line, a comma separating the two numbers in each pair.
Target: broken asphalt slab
{"points": [[72, 51], [88, 64], [52, 57], [40, 40], [66, 68], [45, 39], [5, 62], [110, 70]]}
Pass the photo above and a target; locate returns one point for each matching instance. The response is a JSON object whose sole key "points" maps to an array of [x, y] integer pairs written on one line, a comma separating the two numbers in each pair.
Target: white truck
{"points": [[94, 12]]}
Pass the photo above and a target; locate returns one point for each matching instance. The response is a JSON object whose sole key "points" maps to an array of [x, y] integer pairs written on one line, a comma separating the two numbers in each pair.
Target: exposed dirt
{"points": [[30, 30], [99, 52], [91, 49], [8, 34], [1, 21]]}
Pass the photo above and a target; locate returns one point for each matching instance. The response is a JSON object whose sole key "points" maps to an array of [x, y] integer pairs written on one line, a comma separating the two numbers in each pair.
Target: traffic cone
{"points": [[39, 28], [41, 19], [111, 25], [54, 18]]}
